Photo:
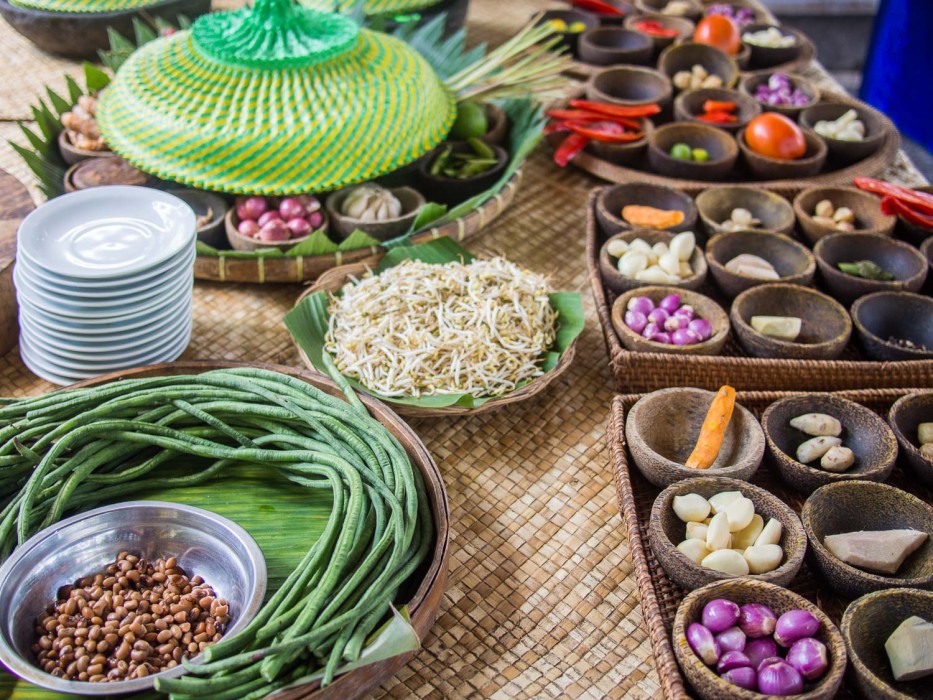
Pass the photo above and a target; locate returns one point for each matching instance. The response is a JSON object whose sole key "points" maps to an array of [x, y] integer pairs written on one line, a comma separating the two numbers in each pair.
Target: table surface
{"points": [[541, 599]]}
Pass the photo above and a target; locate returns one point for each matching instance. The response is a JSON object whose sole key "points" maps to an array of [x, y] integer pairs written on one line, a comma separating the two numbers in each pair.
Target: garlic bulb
{"points": [[371, 203]]}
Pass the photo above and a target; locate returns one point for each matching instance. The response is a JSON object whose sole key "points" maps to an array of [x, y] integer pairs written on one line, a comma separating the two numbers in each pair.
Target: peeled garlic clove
{"points": [[632, 262], [713, 81], [778, 327], [697, 531], [837, 459], [641, 246], [814, 448], [741, 217], [699, 70], [771, 534], [685, 270], [726, 561], [824, 208], [691, 507], [694, 550], [739, 513], [844, 214], [925, 433], [659, 249], [719, 501], [764, 558], [670, 264], [718, 535], [617, 248], [747, 535], [657, 275], [682, 245], [817, 424]]}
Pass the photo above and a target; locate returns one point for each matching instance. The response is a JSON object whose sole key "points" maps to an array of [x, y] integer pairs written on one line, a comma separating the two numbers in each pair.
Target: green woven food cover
{"points": [[276, 99], [371, 7], [83, 5]]}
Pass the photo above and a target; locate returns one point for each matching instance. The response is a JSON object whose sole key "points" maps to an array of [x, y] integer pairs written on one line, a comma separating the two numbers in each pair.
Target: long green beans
{"points": [[74, 449]]}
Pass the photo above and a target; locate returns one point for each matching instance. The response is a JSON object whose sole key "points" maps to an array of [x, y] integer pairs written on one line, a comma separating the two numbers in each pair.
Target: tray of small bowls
{"points": [[103, 281], [740, 284], [755, 521]]}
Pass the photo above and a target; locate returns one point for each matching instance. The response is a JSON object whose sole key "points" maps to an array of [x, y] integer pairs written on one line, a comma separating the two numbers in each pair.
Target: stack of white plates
{"points": [[104, 280]]}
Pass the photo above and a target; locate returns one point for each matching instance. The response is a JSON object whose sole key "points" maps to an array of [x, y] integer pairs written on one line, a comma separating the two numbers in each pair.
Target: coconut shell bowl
{"points": [[793, 262], [771, 211], [894, 325], [620, 284], [612, 200], [662, 428], [905, 417], [852, 506]]}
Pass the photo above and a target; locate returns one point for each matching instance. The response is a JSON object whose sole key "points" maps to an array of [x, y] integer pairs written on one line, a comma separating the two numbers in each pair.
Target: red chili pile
{"points": [[912, 205], [719, 112], [596, 121], [653, 27]]}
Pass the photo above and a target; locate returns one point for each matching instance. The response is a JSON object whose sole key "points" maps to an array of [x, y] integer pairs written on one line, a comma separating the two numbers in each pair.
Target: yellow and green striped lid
{"points": [[83, 5], [276, 99], [371, 7]]}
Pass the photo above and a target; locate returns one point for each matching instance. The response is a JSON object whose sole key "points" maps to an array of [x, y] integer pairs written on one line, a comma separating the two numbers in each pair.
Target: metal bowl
{"points": [[205, 544]]}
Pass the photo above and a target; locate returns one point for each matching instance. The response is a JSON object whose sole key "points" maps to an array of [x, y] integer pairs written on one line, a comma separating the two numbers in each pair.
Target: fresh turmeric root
{"points": [[713, 431]]}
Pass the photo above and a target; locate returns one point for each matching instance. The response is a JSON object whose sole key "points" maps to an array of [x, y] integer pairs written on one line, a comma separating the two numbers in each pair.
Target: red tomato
{"points": [[775, 136], [720, 32]]}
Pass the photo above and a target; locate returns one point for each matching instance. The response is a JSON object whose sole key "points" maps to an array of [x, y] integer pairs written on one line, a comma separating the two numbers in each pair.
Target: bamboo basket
{"points": [[333, 280], [647, 371], [425, 602], [660, 597], [259, 270], [871, 166]]}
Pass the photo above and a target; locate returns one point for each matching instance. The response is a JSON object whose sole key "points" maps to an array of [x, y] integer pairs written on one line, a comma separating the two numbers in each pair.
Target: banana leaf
{"points": [[308, 323]]}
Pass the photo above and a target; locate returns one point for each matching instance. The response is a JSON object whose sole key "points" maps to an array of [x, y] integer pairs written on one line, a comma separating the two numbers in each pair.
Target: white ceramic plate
{"points": [[54, 284], [106, 232], [102, 344], [122, 284], [100, 310], [70, 360], [179, 307]]}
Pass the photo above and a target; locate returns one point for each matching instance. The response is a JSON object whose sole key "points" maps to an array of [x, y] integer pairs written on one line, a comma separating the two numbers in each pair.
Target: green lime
{"points": [[680, 151], [471, 121], [700, 155]]}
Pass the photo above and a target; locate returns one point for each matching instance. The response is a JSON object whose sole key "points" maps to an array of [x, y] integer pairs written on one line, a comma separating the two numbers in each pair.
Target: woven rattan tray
{"points": [[868, 167], [646, 371], [660, 596], [260, 270]]}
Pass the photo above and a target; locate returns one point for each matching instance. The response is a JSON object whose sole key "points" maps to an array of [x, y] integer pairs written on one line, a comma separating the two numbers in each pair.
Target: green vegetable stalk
{"points": [[867, 269]]}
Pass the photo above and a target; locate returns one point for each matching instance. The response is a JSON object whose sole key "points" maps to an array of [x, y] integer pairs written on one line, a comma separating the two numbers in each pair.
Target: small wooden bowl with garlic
{"points": [[625, 264], [825, 210], [740, 260], [711, 528], [382, 213]]}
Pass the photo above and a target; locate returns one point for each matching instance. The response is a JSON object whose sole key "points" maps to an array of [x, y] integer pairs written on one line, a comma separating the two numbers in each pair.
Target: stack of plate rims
{"points": [[104, 281]]}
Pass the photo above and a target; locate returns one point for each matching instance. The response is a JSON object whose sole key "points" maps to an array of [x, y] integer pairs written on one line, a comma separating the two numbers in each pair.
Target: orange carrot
{"points": [[714, 429], [650, 217]]}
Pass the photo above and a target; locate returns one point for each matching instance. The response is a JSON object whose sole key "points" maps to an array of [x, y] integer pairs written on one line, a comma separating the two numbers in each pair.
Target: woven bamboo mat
{"points": [[541, 600]]}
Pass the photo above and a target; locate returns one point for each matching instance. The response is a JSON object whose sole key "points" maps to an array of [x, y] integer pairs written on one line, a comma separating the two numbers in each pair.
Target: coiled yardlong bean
{"points": [[77, 448]]}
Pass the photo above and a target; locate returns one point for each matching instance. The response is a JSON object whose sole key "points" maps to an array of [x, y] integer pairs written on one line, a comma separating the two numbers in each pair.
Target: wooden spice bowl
{"points": [[906, 263], [715, 206], [625, 8], [688, 105], [907, 413], [684, 56], [694, 12], [624, 153], [881, 316], [631, 86], [808, 165], [824, 332], [847, 151], [683, 26], [411, 202], [927, 249], [763, 57], [619, 284], [792, 261], [707, 682], [750, 83], [863, 431], [704, 307], [662, 428], [570, 40], [912, 233], [240, 242], [866, 208], [866, 626], [452, 190], [851, 506], [612, 200], [71, 154], [718, 144], [666, 531], [610, 46]]}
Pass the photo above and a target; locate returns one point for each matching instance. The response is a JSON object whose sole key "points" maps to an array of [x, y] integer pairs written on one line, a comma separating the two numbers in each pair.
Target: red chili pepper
{"points": [[569, 148], [617, 110], [604, 135], [585, 115], [891, 206], [717, 106], [718, 118], [556, 128], [603, 8], [919, 200], [654, 28]]}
